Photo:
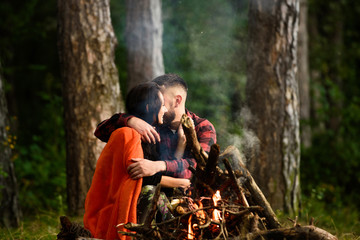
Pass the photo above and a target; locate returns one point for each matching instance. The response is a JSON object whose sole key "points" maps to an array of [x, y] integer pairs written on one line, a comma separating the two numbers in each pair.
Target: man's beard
{"points": [[168, 118]]}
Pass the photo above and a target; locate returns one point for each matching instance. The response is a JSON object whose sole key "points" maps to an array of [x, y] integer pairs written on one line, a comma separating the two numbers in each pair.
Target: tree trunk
{"points": [[303, 75], [9, 206], [144, 41], [91, 88], [273, 98]]}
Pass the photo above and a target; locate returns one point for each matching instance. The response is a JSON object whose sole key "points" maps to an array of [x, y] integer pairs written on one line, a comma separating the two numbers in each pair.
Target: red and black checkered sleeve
{"points": [[206, 135], [105, 128]]}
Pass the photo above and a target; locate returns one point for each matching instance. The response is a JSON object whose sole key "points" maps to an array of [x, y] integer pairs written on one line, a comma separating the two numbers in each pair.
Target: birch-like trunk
{"points": [[91, 88], [273, 98], [10, 214], [303, 75], [143, 41]]}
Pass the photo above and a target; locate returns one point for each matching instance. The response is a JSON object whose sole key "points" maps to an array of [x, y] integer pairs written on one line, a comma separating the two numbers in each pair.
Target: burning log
{"points": [[211, 164], [208, 177]]}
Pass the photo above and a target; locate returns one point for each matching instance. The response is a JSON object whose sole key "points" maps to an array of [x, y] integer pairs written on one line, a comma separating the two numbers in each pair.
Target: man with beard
{"points": [[174, 90]]}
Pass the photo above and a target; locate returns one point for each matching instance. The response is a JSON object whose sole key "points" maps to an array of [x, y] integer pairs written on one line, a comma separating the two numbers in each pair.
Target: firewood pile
{"points": [[223, 203]]}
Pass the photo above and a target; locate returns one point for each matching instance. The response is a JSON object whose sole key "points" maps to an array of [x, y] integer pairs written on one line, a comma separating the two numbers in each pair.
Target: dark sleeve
{"points": [[105, 128], [152, 180]]}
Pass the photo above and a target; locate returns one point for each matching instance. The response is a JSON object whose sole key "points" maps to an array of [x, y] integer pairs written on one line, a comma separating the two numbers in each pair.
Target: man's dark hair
{"points": [[142, 95], [170, 80]]}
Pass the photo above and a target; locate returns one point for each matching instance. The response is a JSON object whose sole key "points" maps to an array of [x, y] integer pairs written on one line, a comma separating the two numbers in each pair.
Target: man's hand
{"points": [[181, 135], [147, 132], [144, 168]]}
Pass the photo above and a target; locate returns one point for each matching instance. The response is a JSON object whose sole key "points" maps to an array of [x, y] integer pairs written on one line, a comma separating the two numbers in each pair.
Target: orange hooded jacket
{"points": [[113, 195]]}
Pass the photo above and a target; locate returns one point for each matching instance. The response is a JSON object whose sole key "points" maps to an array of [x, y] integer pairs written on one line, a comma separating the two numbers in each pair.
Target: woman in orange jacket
{"points": [[113, 195]]}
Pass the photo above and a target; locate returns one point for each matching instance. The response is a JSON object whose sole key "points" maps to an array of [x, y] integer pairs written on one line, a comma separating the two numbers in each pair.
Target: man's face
{"points": [[162, 110], [169, 116]]}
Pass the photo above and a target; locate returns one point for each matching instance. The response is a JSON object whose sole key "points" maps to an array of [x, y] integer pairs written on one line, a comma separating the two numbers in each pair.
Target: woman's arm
{"points": [[172, 182]]}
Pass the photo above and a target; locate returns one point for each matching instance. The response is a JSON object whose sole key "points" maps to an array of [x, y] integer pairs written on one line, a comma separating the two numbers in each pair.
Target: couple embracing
{"points": [[145, 147]]}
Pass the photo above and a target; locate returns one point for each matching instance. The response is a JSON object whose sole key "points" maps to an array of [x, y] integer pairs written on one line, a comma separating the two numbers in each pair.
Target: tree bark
{"points": [[91, 90], [303, 75], [273, 98], [9, 206], [144, 41]]}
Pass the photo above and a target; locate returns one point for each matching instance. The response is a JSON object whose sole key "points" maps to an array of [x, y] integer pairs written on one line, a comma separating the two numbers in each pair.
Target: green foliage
{"points": [[30, 63], [341, 221], [338, 218], [40, 165], [118, 18], [43, 225], [331, 165]]}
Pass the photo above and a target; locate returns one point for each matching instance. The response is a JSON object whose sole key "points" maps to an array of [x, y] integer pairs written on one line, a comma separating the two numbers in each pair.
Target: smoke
{"points": [[242, 137]]}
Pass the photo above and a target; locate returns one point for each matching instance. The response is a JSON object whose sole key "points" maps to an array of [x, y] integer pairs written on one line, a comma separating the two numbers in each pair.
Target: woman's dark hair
{"points": [[140, 96], [143, 101]]}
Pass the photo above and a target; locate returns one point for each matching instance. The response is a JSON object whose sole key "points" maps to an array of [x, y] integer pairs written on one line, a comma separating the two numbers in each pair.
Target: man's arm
{"points": [[206, 135], [105, 128], [119, 120]]}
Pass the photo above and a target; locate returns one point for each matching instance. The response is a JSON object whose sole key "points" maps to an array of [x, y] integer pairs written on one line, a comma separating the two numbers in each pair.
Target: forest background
{"points": [[205, 42]]}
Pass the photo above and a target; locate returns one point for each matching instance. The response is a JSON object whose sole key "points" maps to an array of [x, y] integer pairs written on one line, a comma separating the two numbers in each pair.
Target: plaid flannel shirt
{"points": [[176, 168]]}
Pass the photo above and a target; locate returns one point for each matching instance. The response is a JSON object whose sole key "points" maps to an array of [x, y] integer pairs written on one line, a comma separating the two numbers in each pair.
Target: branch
{"points": [[191, 138]]}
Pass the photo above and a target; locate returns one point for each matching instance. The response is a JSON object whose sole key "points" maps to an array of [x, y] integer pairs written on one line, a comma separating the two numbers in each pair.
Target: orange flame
{"points": [[216, 215], [190, 231], [201, 214]]}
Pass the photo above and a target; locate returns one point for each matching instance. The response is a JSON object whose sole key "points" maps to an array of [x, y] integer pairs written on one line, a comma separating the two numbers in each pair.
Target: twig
{"points": [[238, 189]]}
